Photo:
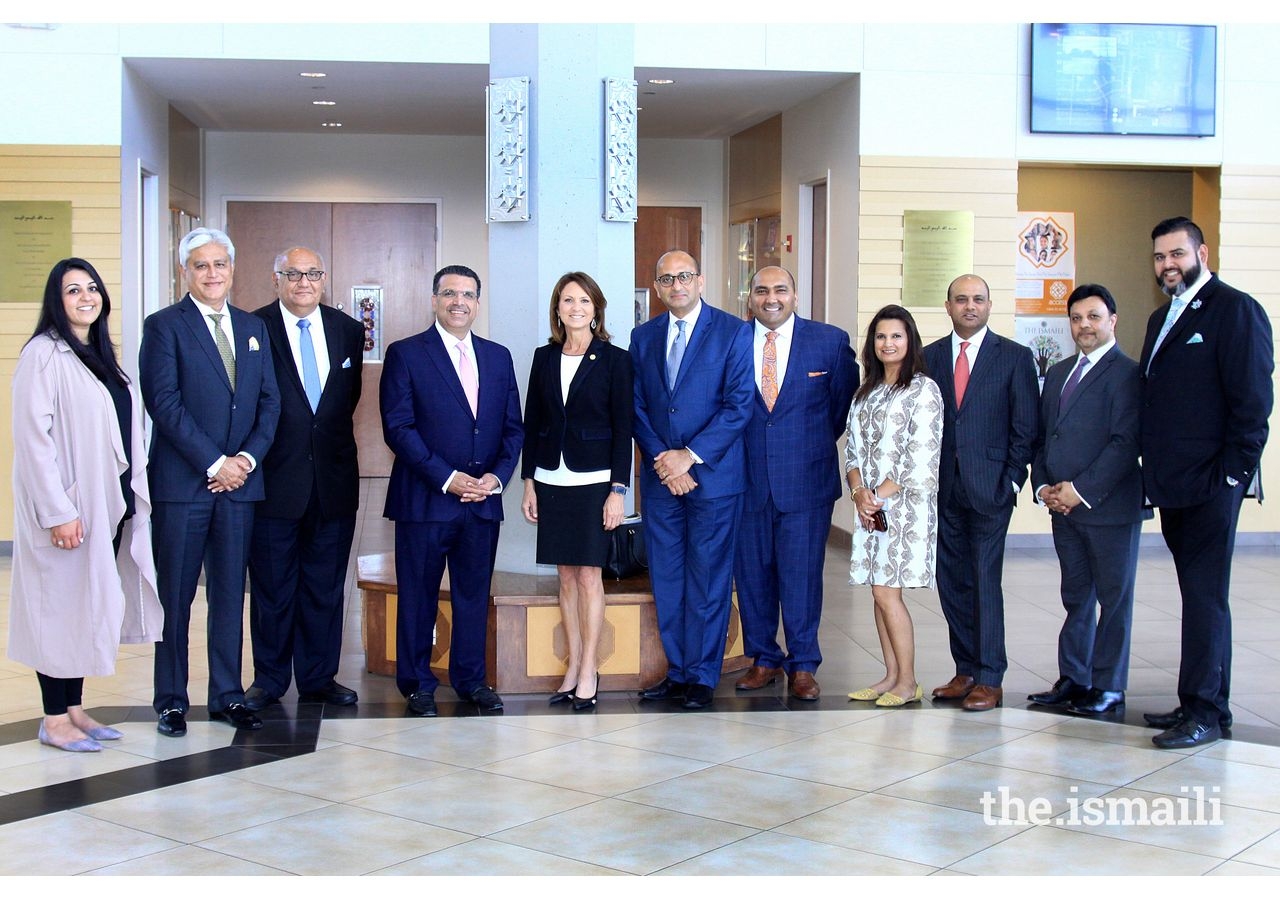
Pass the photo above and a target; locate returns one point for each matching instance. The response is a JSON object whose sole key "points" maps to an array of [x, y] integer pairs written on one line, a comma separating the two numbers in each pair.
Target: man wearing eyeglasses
{"points": [[451, 416], [693, 387], [302, 531]]}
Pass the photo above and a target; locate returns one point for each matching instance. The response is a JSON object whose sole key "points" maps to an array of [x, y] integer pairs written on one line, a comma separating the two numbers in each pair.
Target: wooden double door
{"points": [[391, 245]]}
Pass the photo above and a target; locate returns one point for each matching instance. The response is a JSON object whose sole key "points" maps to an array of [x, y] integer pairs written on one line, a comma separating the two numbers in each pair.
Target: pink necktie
{"points": [[769, 370], [467, 374], [962, 373]]}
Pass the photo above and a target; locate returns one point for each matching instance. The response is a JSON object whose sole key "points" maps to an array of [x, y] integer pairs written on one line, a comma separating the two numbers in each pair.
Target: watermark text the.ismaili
{"points": [[1198, 806]]}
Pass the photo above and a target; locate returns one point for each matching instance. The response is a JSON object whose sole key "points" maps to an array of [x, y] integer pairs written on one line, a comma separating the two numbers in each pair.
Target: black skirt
{"points": [[571, 524]]}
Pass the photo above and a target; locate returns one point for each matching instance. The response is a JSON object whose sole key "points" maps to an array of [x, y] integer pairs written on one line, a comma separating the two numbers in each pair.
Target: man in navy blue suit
{"points": [[693, 391], [451, 414], [302, 531], [805, 376], [1206, 398], [210, 388], [1086, 472], [989, 434]]}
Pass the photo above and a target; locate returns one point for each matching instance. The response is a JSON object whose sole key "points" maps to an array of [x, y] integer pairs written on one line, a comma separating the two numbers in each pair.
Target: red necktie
{"points": [[962, 373]]}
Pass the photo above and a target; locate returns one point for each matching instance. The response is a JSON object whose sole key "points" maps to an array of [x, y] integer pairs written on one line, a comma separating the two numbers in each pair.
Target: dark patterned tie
{"points": [[224, 347]]}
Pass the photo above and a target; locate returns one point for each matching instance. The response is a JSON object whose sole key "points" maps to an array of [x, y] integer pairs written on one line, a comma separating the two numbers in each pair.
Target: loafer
{"points": [[485, 698], [332, 693], [698, 696], [956, 689], [757, 677], [239, 716], [173, 723], [1188, 733], [1064, 690], [666, 689], [422, 703], [1177, 717], [256, 699], [1097, 703], [982, 698], [803, 686]]}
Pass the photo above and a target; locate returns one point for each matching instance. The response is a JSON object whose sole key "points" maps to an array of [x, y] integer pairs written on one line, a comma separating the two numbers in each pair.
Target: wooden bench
{"points": [[527, 650]]}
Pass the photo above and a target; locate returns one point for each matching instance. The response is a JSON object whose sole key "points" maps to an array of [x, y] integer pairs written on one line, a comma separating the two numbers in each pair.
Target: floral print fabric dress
{"points": [[896, 433]]}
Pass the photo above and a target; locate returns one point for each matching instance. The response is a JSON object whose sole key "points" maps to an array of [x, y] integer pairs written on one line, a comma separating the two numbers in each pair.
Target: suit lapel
{"points": [[1091, 377], [696, 337], [333, 343], [441, 356], [795, 361], [200, 331], [589, 361], [280, 338]]}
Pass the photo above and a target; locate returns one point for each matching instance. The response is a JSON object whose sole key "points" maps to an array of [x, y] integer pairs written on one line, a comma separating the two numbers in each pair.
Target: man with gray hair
{"points": [[210, 388], [302, 531]]}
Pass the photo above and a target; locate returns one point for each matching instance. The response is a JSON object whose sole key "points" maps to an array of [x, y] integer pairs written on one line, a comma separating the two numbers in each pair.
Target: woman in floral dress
{"points": [[891, 464]]}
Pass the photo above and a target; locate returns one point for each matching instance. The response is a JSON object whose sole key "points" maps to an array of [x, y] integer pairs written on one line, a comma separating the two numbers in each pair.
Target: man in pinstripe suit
{"points": [[989, 436]]}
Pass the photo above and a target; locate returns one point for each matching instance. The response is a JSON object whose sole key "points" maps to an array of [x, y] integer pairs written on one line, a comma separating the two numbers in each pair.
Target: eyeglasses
{"points": [[683, 278], [451, 294], [295, 275]]}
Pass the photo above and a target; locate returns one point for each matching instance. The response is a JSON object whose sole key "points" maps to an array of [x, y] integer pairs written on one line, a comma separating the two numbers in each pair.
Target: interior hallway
{"points": [[756, 785]]}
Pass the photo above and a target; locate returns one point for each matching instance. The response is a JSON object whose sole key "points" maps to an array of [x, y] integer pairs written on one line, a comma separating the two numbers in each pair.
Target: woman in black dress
{"points": [[577, 465]]}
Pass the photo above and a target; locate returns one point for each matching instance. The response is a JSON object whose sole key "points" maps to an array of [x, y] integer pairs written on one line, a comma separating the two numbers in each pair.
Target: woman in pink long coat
{"points": [[83, 574]]}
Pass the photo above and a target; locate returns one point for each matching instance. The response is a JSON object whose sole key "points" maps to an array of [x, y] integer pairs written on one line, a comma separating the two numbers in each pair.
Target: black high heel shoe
{"points": [[562, 696], [582, 704]]}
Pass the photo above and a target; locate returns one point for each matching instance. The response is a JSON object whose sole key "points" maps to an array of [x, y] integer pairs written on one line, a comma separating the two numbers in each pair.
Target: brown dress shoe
{"points": [[804, 686], [757, 677], [983, 697], [954, 689]]}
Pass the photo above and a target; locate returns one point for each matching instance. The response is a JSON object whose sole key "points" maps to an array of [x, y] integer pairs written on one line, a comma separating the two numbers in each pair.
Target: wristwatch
{"points": [[618, 489]]}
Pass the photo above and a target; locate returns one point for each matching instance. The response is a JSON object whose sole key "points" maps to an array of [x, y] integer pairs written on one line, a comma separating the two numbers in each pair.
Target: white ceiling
{"points": [[420, 98]]}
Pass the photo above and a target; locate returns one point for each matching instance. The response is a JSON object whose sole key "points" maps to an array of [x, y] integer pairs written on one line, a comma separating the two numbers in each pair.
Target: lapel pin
{"points": [[1195, 304]]}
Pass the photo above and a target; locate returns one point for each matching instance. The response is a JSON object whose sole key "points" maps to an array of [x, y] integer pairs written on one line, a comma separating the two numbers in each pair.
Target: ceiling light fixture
{"points": [[313, 74], [662, 81], [324, 103], [331, 124]]}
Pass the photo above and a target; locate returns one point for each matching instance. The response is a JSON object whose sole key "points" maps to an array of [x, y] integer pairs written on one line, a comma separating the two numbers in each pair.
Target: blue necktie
{"points": [[310, 371], [1175, 310], [1070, 387], [676, 355]]}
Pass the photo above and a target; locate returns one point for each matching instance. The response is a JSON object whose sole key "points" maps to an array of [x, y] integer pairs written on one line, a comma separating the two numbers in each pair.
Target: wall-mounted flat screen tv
{"points": [[1123, 79]]}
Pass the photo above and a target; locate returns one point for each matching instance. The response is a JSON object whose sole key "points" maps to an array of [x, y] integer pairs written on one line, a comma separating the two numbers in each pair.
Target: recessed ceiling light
{"points": [[662, 81], [331, 124], [313, 74], [324, 103]]}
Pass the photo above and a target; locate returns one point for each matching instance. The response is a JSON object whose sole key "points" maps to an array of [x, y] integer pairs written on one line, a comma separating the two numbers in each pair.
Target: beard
{"points": [[1189, 277]]}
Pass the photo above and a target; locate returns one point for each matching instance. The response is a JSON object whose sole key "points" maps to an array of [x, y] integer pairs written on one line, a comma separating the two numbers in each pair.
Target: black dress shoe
{"points": [[422, 703], [561, 696], [666, 689], [173, 723], [332, 693], [1064, 690], [239, 715], [1188, 733], [1097, 703], [1177, 717], [486, 698], [256, 699], [698, 696]]}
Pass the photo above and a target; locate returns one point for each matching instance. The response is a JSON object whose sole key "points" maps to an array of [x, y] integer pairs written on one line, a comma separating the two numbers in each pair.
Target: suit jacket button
{"points": [[673, 409], [476, 431]]}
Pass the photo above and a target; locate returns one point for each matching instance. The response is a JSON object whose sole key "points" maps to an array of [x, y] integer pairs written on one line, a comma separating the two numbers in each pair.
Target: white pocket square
{"points": [[1196, 338], [346, 363], [253, 343]]}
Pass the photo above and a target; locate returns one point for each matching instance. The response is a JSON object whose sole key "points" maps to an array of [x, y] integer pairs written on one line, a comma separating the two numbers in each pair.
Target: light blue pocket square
{"points": [[1196, 338], [346, 363]]}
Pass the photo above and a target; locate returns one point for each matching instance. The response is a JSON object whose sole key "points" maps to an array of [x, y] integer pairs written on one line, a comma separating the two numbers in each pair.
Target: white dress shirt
{"points": [[318, 342], [781, 348]]}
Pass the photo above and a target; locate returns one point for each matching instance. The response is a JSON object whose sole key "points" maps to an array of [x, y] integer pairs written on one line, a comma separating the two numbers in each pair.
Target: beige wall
{"points": [[89, 177]]}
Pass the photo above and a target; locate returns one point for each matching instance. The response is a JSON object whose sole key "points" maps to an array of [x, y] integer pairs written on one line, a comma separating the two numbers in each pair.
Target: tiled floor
{"points": [[757, 785]]}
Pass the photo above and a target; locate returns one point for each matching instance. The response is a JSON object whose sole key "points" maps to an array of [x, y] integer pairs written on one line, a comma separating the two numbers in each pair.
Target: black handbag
{"points": [[626, 557]]}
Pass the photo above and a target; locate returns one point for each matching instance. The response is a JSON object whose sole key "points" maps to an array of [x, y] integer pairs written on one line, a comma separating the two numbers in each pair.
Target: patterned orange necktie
{"points": [[769, 371]]}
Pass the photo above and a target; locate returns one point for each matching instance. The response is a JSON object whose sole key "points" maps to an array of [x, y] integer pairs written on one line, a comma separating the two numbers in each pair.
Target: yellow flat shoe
{"points": [[891, 700], [865, 694]]}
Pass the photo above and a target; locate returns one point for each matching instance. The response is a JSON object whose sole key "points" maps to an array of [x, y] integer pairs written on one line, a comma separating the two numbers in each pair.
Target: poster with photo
{"points": [[1044, 249]]}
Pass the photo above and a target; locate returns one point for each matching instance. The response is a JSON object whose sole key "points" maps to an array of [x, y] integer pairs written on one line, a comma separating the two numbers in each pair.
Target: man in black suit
{"points": [[209, 386], [1086, 472], [1206, 397], [302, 530], [989, 435]]}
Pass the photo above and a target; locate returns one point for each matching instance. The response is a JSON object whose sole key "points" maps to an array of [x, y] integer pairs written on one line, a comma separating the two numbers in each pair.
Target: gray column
{"points": [[566, 66]]}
